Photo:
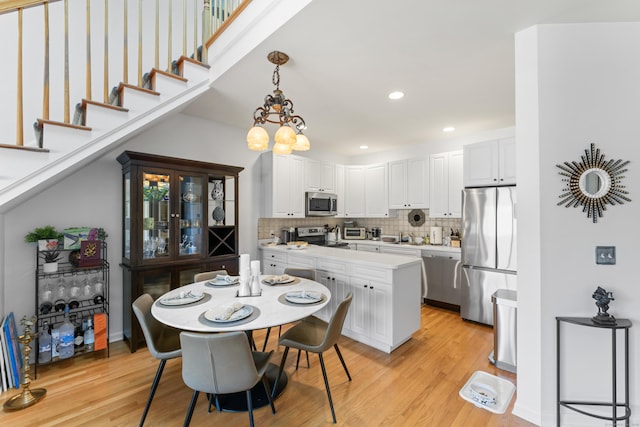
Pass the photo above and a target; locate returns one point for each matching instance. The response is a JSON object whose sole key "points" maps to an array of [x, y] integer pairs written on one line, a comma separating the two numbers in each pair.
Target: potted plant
{"points": [[47, 237], [51, 258]]}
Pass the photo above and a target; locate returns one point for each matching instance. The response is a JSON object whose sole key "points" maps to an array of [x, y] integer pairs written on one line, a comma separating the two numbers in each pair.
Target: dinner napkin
{"points": [[277, 279], [224, 312], [227, 279], [184, 295]]}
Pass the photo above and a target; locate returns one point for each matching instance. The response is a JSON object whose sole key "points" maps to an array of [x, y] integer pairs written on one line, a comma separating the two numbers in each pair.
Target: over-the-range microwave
{"points": [[321, 204]]}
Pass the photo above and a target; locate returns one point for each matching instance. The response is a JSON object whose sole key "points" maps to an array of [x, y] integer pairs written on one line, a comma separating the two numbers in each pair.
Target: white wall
{"points": [[576, 84], [92, 197]]}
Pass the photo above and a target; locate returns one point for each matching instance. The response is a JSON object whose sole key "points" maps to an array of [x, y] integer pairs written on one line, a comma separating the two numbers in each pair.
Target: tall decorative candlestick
{"points": [[27, 397]]}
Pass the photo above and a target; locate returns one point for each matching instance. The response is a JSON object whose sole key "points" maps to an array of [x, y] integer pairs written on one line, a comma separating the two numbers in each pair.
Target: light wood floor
{"points": [[416, 385]]}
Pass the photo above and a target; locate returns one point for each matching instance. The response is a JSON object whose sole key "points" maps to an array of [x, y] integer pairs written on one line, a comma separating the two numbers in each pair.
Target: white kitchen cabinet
{"points": [[445, 182], [367, 247], [340, 189], [376, 186], [370, 310], [320, 176], [283, 186], [354, 197], [338, 284], [273, 262], [409, 184], [490, 163]]}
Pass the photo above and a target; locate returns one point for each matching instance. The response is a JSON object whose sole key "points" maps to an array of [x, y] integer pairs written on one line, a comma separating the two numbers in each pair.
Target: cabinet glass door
{"points": [[156, 227], [191, 215]]}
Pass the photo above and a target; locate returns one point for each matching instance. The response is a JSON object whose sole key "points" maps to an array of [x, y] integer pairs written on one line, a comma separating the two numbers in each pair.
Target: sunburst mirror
{"points": [[593, 183]]}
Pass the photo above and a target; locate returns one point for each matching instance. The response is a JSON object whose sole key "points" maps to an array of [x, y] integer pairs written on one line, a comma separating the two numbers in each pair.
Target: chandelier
{"points": [[277, 109]]}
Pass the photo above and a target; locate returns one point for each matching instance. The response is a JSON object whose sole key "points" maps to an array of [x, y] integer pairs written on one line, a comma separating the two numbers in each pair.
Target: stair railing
{"points": [[62, 54]]}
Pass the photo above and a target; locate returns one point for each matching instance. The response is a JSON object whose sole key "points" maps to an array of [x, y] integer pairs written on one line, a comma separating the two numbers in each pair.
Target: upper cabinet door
{"points": [[283, 186], [319, 176], [508, 161], [490, 163], [409, 184], [376, 191], [445, 182], [354, 196]]}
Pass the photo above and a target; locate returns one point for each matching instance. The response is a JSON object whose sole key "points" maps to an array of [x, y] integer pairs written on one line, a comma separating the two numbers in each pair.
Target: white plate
{"points": [[177, 300], [243, 313], [284, 281], [297, 298], [222, 282]]}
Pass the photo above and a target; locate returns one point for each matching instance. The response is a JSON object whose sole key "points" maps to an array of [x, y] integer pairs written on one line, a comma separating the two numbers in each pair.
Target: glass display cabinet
{"points": [[179, 218]]}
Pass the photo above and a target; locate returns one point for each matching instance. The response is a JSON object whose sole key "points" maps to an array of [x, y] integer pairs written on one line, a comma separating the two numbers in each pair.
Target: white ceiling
{"points": [[454, 59]]}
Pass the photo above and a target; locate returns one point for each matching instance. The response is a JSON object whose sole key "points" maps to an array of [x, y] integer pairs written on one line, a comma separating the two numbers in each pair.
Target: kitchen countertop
{"points": [[392, 261], [405, 245]]}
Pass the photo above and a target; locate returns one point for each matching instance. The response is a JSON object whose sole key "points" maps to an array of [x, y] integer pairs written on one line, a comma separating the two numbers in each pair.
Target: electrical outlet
{"points": [[605, 255]]}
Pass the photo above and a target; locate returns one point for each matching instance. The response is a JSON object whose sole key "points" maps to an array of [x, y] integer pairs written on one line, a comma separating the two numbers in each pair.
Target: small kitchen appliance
{"points": [[435, 236], [355, 233], [321, 204], [376, 233]]}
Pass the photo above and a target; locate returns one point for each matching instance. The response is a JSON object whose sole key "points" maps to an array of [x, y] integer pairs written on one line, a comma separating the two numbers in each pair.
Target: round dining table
{"points": [[192, 308]]}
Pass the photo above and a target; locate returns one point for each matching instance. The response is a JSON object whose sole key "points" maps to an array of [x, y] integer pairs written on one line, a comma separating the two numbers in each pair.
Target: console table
{"points": [[623, 324]]}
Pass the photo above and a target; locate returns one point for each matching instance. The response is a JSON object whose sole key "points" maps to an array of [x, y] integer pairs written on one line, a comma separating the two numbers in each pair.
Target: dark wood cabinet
{"points": [[180, 217]]}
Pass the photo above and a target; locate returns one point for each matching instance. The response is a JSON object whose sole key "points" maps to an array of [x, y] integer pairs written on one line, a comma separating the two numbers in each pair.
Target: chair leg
{"points": [[344, 365], [266, 339], [265, 383], [192, 405], [152, 392], [284, 359], [298, 359], [326, 384], [249, 407], [308, 364]]}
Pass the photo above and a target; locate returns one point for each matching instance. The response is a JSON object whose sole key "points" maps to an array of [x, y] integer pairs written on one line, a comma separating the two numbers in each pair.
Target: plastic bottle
{"points": [[89, 338], [66, 336], [44, 344]]}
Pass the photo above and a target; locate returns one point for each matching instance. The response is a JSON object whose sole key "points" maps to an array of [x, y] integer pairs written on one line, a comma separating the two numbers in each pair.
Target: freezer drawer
{"points": [[477, 287]]}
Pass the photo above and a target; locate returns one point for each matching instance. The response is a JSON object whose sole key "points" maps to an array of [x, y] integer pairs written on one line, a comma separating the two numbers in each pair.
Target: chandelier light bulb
{"points": [[279, 148], [302, 143], [257, 139], [285, 135]]}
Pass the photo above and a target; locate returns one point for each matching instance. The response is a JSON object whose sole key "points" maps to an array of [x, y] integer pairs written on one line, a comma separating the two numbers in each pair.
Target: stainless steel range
{"points": [[316, 236]]}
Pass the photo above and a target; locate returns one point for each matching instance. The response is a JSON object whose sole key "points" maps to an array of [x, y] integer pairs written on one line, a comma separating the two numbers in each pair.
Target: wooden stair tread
{"points": [[22, 147], [121, 86], [155, 71], [192, 61], [42, 122], [86, 102]]}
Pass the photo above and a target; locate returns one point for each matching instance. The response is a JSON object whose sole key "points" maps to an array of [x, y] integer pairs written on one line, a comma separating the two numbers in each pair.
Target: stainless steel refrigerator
{"points": [[489, 258]]}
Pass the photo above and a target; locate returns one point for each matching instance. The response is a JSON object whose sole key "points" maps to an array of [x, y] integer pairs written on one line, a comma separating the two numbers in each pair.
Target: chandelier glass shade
{"points": [[277, 109]]}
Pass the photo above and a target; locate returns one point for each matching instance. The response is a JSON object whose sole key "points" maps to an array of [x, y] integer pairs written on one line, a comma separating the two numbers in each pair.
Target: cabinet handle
{"points": [[173, 215], [494, 179], [365, 286]]}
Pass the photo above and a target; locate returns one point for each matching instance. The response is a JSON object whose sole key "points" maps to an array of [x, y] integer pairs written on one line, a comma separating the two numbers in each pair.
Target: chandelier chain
{"points": [[276, 77]]}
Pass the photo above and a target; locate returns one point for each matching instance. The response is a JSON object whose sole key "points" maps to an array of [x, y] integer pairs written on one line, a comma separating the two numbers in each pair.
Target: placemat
{"points": [[206, 298]]}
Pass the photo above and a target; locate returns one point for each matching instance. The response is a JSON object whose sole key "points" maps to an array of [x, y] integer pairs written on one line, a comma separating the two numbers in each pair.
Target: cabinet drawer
{"points": [[371, 273], [332, 266], [275, 256], [295, 260]]}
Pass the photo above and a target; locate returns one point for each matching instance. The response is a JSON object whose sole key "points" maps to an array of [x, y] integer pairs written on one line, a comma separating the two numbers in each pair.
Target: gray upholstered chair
{"points": [[208, 275], [305, 273], [163, 341], [222, 364], [315, 336]]}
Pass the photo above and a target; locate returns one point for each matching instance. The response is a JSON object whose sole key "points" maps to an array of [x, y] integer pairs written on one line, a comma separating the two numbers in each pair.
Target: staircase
{"points": [[61, 144]]}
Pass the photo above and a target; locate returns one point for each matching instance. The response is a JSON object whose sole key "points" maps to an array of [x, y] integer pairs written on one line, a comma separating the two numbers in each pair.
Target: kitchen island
{"points": [[385, 311]]}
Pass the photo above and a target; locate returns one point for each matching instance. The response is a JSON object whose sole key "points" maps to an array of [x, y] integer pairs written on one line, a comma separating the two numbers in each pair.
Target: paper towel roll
{"points": [[435, 236]]}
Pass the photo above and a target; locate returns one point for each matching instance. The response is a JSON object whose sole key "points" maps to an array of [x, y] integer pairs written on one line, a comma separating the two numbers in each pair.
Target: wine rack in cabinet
{"points": [[82, 287]]}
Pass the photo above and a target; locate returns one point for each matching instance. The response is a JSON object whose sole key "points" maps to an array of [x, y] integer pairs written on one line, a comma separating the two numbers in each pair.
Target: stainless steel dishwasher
{"points": [[443, 278]]}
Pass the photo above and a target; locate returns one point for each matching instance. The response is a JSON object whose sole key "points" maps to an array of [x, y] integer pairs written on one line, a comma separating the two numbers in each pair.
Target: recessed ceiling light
{"points": [[448, 129], [364, 147], [396, 95]]}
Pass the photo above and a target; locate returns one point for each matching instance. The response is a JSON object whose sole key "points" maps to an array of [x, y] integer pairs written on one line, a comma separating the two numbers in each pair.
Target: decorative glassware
{"points": [[189, 196]]}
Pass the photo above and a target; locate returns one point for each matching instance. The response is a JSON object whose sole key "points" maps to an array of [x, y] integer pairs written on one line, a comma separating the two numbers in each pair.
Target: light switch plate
{"points": [[606, 255]]}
